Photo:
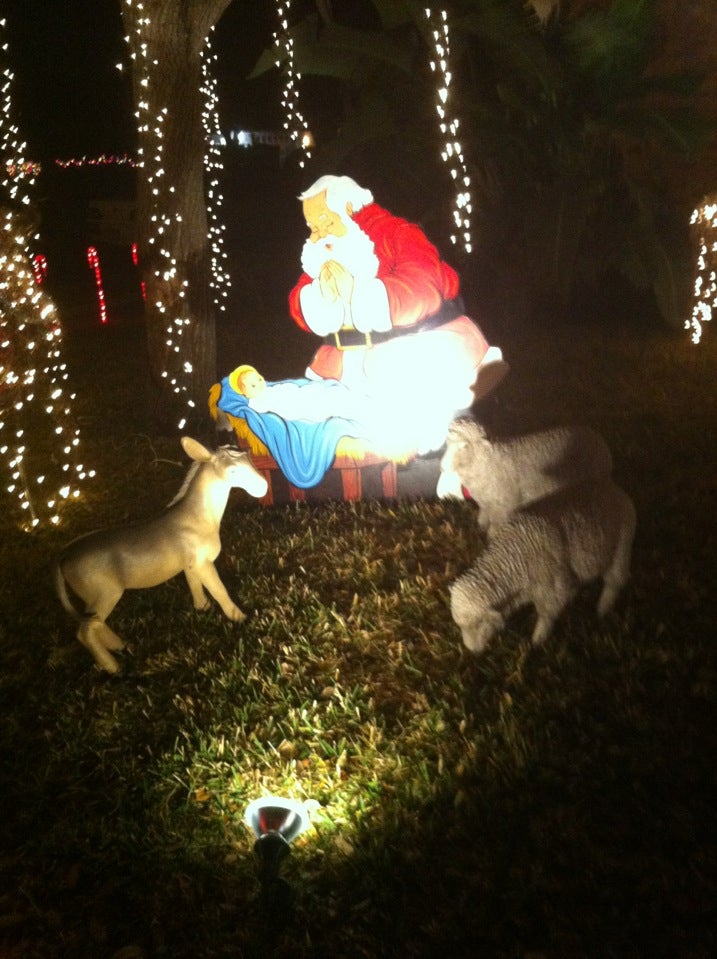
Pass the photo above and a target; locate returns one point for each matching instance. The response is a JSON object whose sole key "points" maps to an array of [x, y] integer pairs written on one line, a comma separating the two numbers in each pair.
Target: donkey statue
{"points": [[94, 571]]}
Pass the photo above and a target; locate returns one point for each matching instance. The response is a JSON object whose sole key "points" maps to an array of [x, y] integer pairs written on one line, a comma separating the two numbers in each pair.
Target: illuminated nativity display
{"points": [[399, 357]]}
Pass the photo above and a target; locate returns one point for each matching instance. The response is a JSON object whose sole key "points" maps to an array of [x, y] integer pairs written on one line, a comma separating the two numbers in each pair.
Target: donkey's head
{"points": [[231, 466]]}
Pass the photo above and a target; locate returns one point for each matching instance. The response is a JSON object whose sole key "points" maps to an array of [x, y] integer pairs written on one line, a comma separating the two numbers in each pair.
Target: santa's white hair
{"points": [[340, 190]]}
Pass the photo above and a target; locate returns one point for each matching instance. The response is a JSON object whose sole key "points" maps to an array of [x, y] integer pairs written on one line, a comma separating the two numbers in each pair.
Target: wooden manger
{"points": [[352, 456]]}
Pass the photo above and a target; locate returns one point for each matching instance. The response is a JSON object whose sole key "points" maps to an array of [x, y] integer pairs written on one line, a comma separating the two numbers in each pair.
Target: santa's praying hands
{"points": [[389, 311]]}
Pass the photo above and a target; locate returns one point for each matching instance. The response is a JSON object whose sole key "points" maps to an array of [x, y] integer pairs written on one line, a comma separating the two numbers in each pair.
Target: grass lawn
{"points": [[542, 803]]}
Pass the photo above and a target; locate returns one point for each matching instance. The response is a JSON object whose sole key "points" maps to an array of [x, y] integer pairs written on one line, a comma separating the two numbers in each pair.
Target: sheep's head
{"points": [[476, 636], [464, 436], [477, 621]]}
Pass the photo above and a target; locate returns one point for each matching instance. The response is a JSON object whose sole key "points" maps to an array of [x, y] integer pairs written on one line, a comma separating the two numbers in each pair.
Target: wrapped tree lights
{"points": [[295, 125], [39, 442], [704, 226], [452, 152]]}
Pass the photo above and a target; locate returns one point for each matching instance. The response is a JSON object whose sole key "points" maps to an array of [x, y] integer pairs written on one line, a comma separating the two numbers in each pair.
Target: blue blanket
{"points": [[303, 450]]}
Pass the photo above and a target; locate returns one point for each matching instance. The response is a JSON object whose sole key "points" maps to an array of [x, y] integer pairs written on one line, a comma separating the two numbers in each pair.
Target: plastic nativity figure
{"points": [[301, 399], [390, 313], [400, 359]]}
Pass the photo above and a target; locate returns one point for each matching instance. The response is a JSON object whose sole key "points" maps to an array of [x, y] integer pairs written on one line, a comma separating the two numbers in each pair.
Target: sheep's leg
{"points": [[208, 577], [484, 519], [543, 628], [613, 582], [619, 572], [550, 605], [490, 518], [610, 590]]}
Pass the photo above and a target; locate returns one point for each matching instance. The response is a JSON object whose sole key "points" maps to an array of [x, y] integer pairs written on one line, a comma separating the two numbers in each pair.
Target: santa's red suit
{"points": [[405, 336]]}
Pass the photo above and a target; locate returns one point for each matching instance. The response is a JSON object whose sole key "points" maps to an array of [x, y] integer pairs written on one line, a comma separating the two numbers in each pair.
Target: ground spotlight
{"points": [[275, 822]]}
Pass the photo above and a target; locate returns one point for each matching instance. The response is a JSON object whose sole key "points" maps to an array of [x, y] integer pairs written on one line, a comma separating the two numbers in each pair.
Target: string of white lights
{"points": [[220, 280], [295, 124], [35, 412], [164, 217], [105, 159], [452, 153], [704, 223]]}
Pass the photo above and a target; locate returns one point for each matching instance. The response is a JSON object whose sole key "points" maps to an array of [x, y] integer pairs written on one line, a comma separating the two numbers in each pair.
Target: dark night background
{"points": [[600, 786], [70, 101]]}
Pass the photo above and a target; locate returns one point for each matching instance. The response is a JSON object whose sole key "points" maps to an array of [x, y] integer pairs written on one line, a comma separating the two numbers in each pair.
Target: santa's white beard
{"points": [[354, 251]]}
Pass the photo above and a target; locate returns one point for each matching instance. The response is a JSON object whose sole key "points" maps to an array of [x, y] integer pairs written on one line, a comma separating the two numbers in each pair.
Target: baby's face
{"points": [[252, 383]]}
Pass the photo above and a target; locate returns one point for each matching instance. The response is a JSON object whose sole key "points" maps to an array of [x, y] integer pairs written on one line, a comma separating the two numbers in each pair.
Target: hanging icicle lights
{"points": [[452, 152], [295, 124], [704, 224], [150, 162], [33, 377], [220, 279]]}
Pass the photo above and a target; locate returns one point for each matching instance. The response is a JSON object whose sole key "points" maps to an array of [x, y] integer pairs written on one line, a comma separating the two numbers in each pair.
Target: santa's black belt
{"points": [[348, 338]]}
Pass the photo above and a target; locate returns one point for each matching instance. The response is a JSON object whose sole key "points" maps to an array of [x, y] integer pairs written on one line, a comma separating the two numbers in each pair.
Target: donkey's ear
{"points": [[195, 450]]}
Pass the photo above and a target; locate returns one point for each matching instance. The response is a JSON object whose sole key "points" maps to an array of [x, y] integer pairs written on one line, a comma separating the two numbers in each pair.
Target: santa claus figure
{"points": [[389, 312]]}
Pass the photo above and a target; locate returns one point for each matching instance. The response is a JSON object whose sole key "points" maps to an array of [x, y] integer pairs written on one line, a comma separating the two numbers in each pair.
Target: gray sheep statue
{"points": [[502, 475], [542, 556]]}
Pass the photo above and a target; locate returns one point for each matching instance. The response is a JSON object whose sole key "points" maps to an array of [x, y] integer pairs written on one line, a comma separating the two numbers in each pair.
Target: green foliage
{"points": [[560, 123], [335, 51], [610, 48]]}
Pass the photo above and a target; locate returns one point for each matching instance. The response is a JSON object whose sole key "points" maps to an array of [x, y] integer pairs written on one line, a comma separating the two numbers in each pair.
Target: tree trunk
{"points": [[166, 39]]}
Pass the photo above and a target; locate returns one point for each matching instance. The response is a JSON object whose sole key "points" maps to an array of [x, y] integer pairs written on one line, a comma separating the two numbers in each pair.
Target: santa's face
{"points": [[350, 247], [322, 221]]}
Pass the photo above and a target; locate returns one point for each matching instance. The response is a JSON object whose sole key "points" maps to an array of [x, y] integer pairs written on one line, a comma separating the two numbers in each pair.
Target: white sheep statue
{"points": [[542, 556], [502, 475]]}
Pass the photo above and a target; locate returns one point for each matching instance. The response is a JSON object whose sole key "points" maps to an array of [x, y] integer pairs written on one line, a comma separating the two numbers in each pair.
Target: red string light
{"points": [[39, 267], [94, 264], [22, 168], [135, 260]]}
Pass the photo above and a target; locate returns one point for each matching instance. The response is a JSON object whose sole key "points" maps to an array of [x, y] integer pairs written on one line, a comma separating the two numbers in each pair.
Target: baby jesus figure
{"points": [[313, 401]]}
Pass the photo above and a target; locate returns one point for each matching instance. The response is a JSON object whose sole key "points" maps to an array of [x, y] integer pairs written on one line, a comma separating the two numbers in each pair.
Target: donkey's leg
{"points": [[209, 577], [110, 639], [97, 636], [99, 639], [194, 581]]}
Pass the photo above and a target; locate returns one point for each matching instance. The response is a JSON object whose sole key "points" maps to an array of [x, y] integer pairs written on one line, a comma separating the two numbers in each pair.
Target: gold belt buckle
{"points": [[355, 346]]}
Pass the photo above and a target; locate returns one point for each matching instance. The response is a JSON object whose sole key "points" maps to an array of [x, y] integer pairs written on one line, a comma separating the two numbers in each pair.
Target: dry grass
{"points": [[556, 802]]}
